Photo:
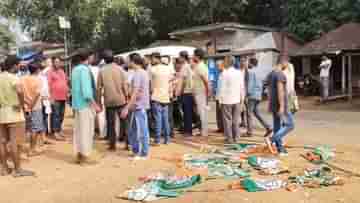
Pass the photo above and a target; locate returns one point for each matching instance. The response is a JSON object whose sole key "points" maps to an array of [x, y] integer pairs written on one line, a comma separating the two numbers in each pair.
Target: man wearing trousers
{"points": [[112, 84], [230, 98]]}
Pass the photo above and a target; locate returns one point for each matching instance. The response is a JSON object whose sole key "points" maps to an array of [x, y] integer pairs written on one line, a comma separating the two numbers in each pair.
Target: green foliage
{"points": [[128, 24], [6, 38]]}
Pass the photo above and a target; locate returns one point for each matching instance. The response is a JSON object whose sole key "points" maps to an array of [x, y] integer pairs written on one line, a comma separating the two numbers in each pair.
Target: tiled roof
{"points": [[346, 37]]}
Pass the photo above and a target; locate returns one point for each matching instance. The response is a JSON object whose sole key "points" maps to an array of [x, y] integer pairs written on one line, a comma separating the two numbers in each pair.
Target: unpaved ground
{"points": [[59, 180]]}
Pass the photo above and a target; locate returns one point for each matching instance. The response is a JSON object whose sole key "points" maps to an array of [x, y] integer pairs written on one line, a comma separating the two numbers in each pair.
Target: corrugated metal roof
{"points": [[211, 27]]}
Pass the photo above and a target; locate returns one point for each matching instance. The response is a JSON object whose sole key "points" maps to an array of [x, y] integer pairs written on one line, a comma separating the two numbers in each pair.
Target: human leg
{"points": [[166, 124], [4, 135], [286, 127], [219, 119], [236, 111], [188, 114], [201, 104], [227, 120], [111, 132], [143, 132], [157, 111]]}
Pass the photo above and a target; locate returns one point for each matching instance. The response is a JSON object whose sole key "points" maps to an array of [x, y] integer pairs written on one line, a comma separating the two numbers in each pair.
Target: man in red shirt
{"points": [[58, 87]]}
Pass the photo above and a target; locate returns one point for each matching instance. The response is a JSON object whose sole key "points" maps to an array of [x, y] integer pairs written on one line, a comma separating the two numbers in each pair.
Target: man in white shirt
{"points": [[325, 67], [230, 96]]}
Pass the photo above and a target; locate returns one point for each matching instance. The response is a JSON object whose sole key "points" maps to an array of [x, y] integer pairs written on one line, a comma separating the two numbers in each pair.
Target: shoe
{"points": [[156, 144], [137, 158], [283, 153], [112, 149], [268, 133], [23, 173], [229, 141], [5, 171]]}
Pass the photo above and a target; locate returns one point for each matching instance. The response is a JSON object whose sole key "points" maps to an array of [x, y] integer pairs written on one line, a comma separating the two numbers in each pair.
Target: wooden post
{"points": [[350, 78], [343, 75]]}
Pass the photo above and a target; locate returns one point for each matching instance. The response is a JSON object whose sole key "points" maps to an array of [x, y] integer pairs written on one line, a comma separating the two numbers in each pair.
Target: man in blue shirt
{"points": [[255, 87], [85, 108]]}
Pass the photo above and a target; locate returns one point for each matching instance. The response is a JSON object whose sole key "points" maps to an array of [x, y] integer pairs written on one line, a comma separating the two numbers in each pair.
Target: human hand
{"points": [[124, 113]]}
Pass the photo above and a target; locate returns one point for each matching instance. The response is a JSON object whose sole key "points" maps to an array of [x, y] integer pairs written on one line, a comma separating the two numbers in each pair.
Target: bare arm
{"points": [[281, 97]]}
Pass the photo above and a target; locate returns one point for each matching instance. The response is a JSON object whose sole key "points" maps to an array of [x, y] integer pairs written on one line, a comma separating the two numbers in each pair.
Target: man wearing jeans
{"points": [[254, 93], [138, 105], [161, 77], [283, 119], [58, 86], [325, 67], [201, 88], [112, 84]]}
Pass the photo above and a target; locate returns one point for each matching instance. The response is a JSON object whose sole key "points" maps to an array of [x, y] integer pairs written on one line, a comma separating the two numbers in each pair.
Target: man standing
{"points": [[12, 128], [85, 108], [219, 117], [112, 85], [201, 89], [161, 76], [186, 92], [254, 93], [100, 127], [243, 83], [138, 105], [325, 67], [283, 119], [32, 87], [58, 86], [230, 98]]}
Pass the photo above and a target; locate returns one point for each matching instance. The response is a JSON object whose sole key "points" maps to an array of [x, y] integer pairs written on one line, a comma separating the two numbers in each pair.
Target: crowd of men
{"points": [[129, 99]]}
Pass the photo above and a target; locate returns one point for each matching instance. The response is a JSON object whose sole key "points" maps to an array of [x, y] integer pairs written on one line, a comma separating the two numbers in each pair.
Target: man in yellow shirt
{"points": [[12, 123], [161, 77]]}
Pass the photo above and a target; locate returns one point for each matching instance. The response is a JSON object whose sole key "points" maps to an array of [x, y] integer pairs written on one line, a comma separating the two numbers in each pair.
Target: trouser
{"points": [[171, 118], [324, 88], [161, 114], [253, 106], [282, 126], [202, 109], [13, 135], [111, 114], [231, 115], [100, 124], [188, 103], [178, 114], [139, 133], [219, 117], [45, 120], [57, 116], [84, 131]]}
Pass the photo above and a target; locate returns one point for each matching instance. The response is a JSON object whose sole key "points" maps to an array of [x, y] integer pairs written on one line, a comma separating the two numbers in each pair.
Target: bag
{"points": [[293, 103]]}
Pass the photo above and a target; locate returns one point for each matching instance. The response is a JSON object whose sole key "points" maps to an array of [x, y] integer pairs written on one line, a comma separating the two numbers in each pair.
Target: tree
{"points": [[6, 38]]}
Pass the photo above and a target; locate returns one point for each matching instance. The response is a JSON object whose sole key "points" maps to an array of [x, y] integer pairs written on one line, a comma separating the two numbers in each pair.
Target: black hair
{"points": [[83, 54], [254, 61], [136, 59], [185, 55], [10, 62], [120, 61], [156, 55], [200, 53], [108, 56], [34, 67]]}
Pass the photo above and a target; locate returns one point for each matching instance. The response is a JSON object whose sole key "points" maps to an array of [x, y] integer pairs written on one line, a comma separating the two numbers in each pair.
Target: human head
{"points": [[199, 55], [229, 61], [324, 58], [147, 59], [165, 60], [253, 63], [35, 68], [108, 56], [58, 63], [244, 63], [11, 64], [156, 58], [120, 61], [136, 61], [220, 65], [48, 62], [184, 57], [83, 55]]}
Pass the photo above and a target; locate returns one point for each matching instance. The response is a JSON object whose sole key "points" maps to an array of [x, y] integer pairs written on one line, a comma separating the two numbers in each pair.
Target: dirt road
{"points": [[59, 180]]}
